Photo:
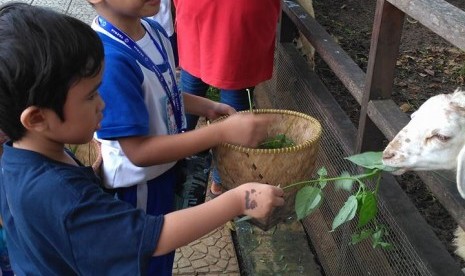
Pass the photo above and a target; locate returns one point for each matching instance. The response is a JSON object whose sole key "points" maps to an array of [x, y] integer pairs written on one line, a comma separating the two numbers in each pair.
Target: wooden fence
{"points": [[381, 118]]}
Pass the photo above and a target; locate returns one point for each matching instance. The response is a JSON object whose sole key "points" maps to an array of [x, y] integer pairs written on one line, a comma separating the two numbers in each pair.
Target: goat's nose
{"points": [[388, 154]]}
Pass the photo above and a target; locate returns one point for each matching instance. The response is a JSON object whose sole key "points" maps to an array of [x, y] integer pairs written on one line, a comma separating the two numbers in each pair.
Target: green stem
{"points": [[250, 101], [355, 178]]}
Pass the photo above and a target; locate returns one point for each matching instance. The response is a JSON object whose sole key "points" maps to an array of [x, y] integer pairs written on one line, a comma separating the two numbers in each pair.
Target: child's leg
{"points": [[157, 196], [238, 99], [192, 85]]}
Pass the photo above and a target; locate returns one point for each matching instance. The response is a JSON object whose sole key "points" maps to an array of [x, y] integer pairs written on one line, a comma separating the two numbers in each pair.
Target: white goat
{"points": [[434, 139]]}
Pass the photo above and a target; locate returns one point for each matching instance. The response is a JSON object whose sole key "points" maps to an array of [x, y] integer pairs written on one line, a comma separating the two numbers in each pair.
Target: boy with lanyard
{"points": [[142, 131], [165, 18], [58, 221]]}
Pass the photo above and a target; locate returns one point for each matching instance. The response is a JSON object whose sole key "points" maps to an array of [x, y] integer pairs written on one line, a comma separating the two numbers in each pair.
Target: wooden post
{"points": [[387, 30]]}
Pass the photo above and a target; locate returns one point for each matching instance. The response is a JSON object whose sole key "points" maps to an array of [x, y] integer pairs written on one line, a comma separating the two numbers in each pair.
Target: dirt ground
{"points": [[427, 65]]}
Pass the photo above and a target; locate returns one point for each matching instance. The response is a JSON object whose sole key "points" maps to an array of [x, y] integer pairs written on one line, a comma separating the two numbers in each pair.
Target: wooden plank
{"points": [[445, 190], [286, 29], [387, 116], [384, 49], [439, 16], [323, 242], [337, 59]]}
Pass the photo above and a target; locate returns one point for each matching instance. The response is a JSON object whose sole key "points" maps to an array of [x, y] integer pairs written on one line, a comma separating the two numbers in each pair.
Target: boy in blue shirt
{"points": [[142, 134], [57, 219]]}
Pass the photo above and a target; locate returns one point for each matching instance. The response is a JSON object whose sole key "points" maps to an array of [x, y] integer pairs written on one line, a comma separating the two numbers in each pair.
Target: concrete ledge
{"points": [[282, 250]]}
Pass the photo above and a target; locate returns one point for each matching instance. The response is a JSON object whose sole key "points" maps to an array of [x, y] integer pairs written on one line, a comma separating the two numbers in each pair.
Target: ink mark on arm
{"points": [[250, 203]]}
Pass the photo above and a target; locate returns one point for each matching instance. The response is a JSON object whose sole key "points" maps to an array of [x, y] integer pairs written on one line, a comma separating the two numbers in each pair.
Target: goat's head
{"points": [[434, 139]]}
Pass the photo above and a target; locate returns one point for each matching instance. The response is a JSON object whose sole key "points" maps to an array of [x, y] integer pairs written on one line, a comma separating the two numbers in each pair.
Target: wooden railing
{"points": [[380, 117]]}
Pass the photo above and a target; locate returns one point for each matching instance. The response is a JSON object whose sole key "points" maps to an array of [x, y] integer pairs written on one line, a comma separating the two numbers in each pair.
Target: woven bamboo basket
{"points": [[89, 154], [284, 166]]}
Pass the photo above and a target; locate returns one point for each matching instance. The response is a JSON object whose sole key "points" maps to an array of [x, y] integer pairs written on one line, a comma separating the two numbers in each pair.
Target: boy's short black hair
{"points": [[42, 54]]}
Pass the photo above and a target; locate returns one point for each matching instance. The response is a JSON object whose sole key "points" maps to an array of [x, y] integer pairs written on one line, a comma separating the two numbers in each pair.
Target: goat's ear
{"points": [[458, 98], [461, 172]]}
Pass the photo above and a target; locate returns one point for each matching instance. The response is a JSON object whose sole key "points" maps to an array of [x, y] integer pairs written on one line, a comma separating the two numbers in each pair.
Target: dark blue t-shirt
{"points": [[58, 220]]}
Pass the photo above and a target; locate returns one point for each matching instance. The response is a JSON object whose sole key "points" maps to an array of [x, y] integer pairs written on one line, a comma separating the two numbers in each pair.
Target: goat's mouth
{"points": [[395, 170], [399, 171]]}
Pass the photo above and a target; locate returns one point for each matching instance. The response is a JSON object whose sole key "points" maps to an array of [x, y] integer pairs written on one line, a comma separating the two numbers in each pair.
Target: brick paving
{"points": [[213, 254]]}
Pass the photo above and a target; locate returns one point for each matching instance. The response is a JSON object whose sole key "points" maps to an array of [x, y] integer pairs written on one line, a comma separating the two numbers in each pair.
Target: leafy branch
{"points": [[363, 203]]}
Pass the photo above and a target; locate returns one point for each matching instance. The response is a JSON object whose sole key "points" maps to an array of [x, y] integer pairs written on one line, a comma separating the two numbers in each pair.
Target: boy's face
{"points": [[82, 112], [133, 8]]}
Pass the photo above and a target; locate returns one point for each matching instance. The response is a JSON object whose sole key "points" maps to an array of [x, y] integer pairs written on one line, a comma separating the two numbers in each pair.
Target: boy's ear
{"points": [[33, 118]]}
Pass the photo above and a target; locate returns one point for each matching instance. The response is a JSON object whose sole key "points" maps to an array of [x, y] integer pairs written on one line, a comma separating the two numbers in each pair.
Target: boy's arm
{"points": [[184, 226], [204, 107], [239, 129]]}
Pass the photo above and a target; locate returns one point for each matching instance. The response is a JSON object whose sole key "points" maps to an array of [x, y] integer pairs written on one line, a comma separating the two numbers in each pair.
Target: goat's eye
{"points": [[442, 138]]}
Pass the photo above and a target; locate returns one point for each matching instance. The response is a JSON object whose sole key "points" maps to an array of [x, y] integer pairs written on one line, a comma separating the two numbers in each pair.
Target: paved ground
{"points": [[211, 255]]}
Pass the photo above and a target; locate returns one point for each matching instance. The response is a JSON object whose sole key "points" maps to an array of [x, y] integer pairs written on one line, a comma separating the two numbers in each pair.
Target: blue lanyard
{"points": [[173, 94]]}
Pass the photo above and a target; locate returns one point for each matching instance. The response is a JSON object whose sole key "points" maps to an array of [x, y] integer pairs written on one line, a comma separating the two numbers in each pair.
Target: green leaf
{"points": [[307, 200], [344, 184], [346, 213], [383, 245], [370, 160], [322, 183], [276, 142], [368, 210], [378, 239], [322, 172], [364, 234], [378, 234]]}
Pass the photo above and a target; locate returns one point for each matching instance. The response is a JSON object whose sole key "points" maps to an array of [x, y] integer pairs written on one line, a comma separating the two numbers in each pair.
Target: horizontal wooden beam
{"points": [[387, 116], [439, 16], [337, 59]]}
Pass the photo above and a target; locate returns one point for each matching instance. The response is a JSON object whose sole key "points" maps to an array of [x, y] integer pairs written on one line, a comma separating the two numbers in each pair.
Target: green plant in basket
{"points": [[276, 142], [73, 148]]}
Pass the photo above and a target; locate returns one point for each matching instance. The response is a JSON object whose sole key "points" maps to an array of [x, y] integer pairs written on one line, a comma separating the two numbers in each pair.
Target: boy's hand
{"points": [[247, 130], [258, 200]]}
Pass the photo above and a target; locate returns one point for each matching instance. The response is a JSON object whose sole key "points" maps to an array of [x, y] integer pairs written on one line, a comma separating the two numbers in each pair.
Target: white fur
{"points": [[434, 139]]}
